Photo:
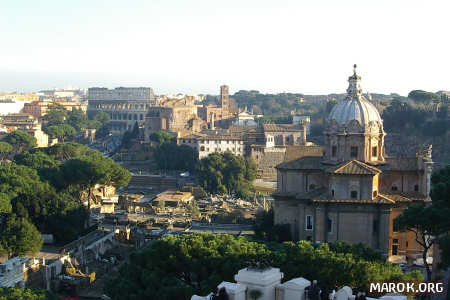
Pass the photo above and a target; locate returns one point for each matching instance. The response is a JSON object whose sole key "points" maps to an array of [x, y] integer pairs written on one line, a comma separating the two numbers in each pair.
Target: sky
{"points": [[194, 46]]}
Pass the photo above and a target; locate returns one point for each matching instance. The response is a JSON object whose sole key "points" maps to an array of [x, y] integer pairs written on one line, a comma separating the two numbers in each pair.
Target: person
{"points": [[332, 294], [313, 291], [324, 294], [220, 295]]}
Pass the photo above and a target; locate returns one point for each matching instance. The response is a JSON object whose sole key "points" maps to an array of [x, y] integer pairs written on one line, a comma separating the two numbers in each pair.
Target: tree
{"points": [[226, 172], [440, 195], [266, 229], [5, 148], [162, 137], [61, 132], [427, 223], [101, 122], [5, 204], [77, 119], [128, 136], [102, 117], [46, 166], [56, 115], [65, 151], [51, 211], [85, 172], [178, 266], [170, 156], [36, 160], [423, 96], [20, 140], [26, 294], [20, 237]]}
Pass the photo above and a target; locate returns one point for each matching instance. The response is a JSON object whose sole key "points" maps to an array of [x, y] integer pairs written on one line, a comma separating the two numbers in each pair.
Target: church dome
{"points": [[355, 106]]}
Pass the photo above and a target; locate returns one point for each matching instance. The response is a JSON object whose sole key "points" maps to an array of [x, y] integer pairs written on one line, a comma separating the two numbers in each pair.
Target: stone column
{"points": [[265, 281]]}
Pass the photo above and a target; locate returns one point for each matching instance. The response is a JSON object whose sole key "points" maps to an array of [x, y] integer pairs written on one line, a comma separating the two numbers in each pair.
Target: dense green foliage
{"points": [[403, 117], [431, 223], [5, 149], [423, 96], [20, 140], [129, 136], [65, 151], [268, 104], [26, 294], [170, 156], [221, 173], [49, 210], [5, 204], [441, 200], [162, 137], [46, 186], [82, 173], [100, 121], [19, 237], [176, 267], [58, 115], [266, 229], [61, 132]]}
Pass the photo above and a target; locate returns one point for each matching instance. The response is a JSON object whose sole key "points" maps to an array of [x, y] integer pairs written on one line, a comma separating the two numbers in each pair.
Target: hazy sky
{"points": [[194, 46]]}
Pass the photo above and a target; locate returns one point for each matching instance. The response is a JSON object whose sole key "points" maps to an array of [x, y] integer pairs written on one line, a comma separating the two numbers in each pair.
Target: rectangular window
{"points": [[375, 226], [333, 151], [374, 151], [330, 225], [395, 227], [354, 194], [309, 222], [354, 152]]}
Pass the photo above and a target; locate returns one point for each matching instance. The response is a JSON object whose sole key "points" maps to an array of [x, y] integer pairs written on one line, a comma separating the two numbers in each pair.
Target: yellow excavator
{"points": [[74, 272]]}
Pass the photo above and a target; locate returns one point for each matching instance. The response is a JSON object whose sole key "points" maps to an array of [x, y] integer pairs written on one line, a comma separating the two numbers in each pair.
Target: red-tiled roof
{"points": [[354, 167]]}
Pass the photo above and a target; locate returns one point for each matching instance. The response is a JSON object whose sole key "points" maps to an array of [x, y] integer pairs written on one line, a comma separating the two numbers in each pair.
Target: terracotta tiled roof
{"points": [[354, 167], [321, 195], [405, 197], [400, 164], [377, 200], [282, 127], [295, 152], [304, 163]]}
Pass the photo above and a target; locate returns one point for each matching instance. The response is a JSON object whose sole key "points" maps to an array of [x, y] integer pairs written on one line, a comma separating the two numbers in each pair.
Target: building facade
{"points": [[125, 106], [206, 144], [221, 116], [39, 109], [354, 191], [173, 115]]}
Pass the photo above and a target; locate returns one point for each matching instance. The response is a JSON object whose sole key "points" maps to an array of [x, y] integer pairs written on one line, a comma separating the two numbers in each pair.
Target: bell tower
{"points": [[224, 99]]}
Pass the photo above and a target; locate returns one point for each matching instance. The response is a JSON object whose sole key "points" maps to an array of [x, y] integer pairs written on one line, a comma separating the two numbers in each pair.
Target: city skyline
{"points": [[195, 46]]}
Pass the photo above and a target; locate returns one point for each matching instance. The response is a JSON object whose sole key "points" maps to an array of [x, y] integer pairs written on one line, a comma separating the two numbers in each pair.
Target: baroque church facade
{"points": [[354, 191]]}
